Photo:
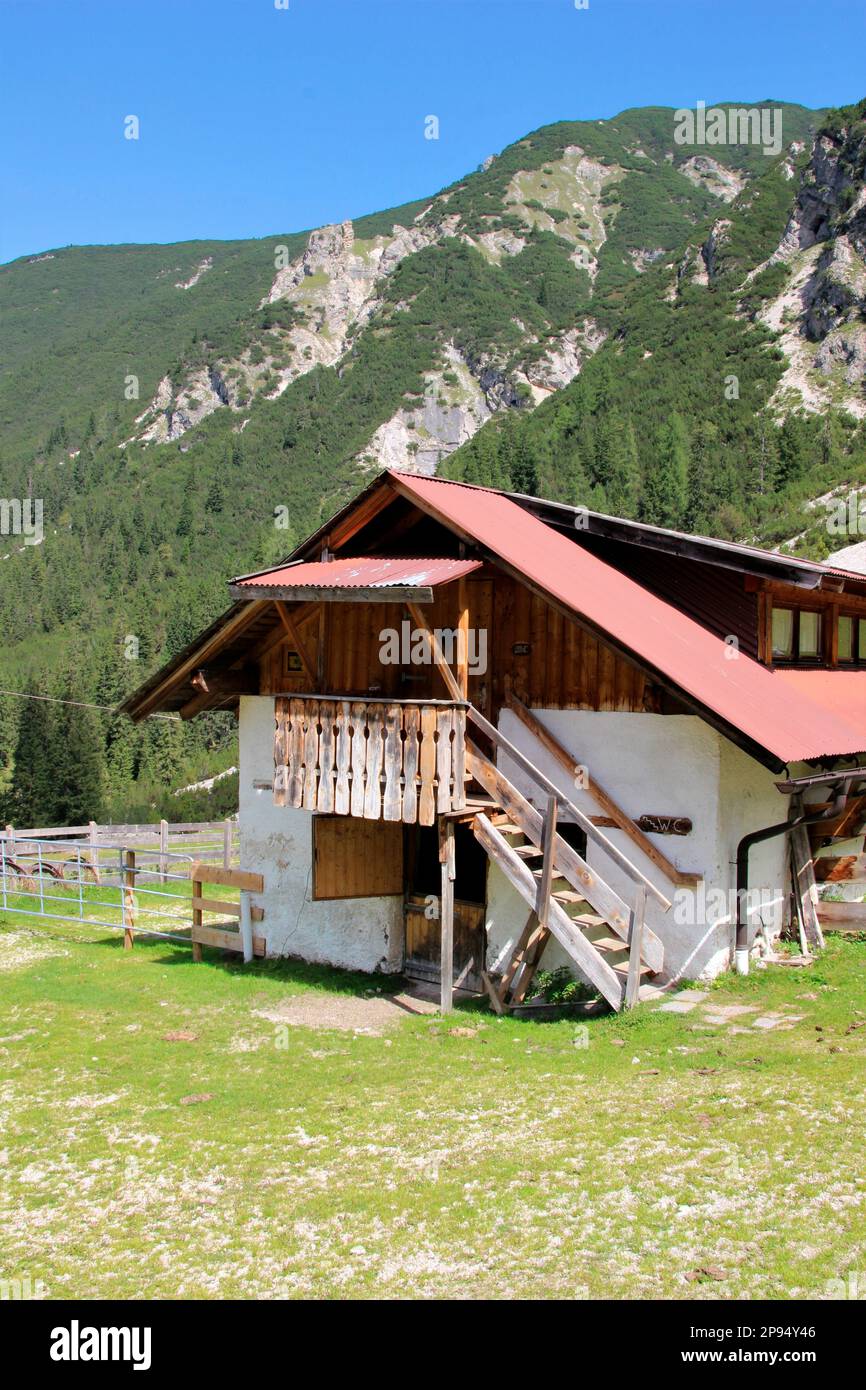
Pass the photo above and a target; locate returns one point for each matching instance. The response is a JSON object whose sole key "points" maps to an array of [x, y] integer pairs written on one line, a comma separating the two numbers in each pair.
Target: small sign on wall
{"points": [[664, 825]]}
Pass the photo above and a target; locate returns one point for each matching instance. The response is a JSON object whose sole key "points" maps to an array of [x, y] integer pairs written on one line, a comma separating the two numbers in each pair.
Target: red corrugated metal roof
{"points": [[362, 573], [792, 718]]}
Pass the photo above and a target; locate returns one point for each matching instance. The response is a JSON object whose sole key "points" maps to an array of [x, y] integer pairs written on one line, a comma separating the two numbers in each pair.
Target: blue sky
{"points": [[257, 120]]}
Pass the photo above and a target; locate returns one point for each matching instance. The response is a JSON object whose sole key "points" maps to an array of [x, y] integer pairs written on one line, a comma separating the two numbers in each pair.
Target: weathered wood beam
{"points": [[444, 669], [295, 638]]}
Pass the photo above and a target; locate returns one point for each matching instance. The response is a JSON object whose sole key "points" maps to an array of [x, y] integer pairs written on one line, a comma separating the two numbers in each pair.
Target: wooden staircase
{"points": [[606, 937]]}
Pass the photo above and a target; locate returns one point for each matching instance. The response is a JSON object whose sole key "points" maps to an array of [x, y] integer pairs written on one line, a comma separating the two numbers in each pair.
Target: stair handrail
{"points": [[592, 831]]}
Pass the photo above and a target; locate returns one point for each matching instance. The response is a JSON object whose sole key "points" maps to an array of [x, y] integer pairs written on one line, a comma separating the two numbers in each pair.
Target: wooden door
{"points": [[423, 943]]}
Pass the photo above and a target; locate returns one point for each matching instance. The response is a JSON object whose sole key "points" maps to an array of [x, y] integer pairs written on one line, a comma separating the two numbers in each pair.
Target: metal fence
{"points": [[110, 887]]}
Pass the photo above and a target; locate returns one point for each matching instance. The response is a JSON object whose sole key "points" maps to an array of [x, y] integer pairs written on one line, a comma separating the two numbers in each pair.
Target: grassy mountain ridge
{"points": [[566, 318]]}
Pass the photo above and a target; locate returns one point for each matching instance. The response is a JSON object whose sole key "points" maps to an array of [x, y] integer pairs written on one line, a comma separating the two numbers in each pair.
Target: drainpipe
{"points": [[741, 954]]}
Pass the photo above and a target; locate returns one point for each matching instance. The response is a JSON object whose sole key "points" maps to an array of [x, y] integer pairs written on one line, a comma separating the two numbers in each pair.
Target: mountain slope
{"points": [[600, 312]]}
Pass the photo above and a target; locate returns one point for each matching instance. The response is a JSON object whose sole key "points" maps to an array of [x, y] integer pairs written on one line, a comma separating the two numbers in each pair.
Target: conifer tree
{"points": [[665, 493]]}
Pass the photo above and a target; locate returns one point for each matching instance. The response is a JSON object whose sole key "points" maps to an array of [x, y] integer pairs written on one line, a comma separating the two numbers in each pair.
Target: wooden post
{"points": [[128, 898], [463, 638], [196, 912], [446, 915], [10, 841], [94, 849], [163, 850], [549, 849], [227, 843], [635, 939]]}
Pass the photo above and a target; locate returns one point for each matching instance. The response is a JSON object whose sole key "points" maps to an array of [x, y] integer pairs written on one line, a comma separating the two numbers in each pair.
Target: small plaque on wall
{"points": [[521, 649], [664, 825], [293, 662]]}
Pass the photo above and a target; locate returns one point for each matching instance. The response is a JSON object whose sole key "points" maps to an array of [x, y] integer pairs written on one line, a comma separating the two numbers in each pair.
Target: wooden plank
{"points": [[569, 937], [612, 809], [392, 801], [427, 763], [458, 761], [229, 878], [803, 872], [549, 852], [411, 725], [219, 905], [225, 940], [568, 862], [444, 730], [295, 787], [196, 914], [359, 757], [845, 868], [327, 716], [842, 914], [463, 638], [530, 962], [446, 918], [342, 793], [311, 754], [375, 750], [635, 943]]}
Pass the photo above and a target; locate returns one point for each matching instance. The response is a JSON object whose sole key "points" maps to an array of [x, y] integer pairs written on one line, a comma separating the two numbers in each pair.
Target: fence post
{"points": [[128, 898], [163, 850], [196, 912], [227, 842], [10, 836], [94, 851]]}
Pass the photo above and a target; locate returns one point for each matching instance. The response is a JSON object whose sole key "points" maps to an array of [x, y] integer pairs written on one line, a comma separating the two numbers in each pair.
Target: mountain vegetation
{"points": [[599, 314]]}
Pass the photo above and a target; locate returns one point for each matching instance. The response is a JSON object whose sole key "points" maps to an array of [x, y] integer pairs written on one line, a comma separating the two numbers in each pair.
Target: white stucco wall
{"points": [[277, 841], [666, 764]]}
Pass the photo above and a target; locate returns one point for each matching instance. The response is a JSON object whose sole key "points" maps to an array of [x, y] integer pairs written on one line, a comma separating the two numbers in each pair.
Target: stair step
{"points": [[584, 920], [506, 827], [527, 851], [622, 970], [611, 945], [567, 897]]}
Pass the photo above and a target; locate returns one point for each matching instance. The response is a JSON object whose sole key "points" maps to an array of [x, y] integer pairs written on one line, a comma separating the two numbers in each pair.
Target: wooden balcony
{"points": [[394, 760]]}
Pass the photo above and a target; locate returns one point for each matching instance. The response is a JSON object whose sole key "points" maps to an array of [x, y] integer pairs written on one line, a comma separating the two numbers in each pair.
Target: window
{"points": [[852, 639], [783, 634], [797, 635]]}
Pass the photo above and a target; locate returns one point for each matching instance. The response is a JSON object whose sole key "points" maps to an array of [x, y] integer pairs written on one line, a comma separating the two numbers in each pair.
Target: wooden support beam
{"points": [[635, 946], [549, 853], [295, 639], [446, 915], [445, 671]]}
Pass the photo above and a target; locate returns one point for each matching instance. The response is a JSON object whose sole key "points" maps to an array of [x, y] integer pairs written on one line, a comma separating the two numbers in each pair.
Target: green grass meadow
{"points": [[161, 1138]]}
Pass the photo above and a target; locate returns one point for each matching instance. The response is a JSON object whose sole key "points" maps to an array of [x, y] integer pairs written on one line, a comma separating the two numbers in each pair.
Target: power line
{"points": [[79, 704]]}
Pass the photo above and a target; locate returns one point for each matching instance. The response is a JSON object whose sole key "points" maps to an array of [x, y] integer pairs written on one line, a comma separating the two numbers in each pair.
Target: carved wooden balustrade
{"points": [[395, 760]]}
